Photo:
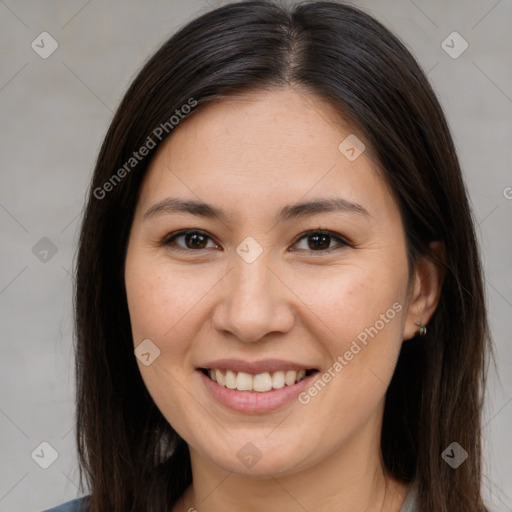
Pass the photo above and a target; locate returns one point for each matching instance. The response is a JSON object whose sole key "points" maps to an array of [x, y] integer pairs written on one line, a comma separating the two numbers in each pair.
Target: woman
{"points": [[279, 300]]}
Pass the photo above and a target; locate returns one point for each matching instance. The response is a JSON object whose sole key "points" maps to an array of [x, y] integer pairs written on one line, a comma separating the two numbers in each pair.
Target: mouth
{"points": [[260, 382], [255, 387]]}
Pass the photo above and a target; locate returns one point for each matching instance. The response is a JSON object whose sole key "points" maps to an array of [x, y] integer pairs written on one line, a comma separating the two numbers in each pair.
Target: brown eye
{"points": [[195, 240], [319, 241], [191, 240]]}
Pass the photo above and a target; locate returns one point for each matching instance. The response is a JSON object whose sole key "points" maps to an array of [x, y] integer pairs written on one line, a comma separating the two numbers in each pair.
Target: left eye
{"points": [[321, 240], [317, 241]]}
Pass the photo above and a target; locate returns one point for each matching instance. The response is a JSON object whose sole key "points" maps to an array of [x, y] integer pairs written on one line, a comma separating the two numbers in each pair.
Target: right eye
{"points": [[192, 240]]}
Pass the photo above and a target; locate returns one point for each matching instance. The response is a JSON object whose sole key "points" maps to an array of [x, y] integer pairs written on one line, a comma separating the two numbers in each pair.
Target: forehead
{"points": [[285, 118], [264, 147]]}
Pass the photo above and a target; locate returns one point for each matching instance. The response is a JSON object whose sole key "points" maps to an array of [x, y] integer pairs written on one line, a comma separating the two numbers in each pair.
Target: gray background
{"points": [[55, 112]]}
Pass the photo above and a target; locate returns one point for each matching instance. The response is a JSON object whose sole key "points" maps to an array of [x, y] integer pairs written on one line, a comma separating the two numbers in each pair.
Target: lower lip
{"points": [[253, 402]]}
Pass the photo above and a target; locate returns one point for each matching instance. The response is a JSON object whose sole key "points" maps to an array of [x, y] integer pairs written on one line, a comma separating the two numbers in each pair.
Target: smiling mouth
{"points": [[261, 382]]}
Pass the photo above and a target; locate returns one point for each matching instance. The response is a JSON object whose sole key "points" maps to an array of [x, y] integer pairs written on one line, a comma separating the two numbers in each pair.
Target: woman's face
{"points": [[253, 288]]}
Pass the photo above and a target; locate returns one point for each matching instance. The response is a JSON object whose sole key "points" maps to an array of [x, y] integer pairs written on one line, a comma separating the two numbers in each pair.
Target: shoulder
{"points": [[75, 505]]}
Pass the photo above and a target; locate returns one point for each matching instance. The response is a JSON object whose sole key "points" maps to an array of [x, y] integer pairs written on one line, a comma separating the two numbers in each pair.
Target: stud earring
{"points": [[423, 328]]}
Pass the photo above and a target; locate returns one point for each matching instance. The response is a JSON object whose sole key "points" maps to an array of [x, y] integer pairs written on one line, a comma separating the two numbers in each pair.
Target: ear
{"points": [[427, 282]]}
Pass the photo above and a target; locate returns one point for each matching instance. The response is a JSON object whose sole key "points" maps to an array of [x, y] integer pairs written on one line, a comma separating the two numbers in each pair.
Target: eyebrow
{"points": [[303, 209]]}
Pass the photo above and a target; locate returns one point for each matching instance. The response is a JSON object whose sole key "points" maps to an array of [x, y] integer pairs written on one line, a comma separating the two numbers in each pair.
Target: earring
{"points": [[423, 328]]}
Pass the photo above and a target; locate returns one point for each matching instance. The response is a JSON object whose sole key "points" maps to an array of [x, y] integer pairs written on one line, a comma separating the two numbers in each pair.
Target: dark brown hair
{"points": [[130, 457]]}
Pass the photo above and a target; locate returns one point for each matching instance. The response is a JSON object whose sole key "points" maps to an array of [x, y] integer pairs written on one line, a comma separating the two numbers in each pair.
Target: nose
{"points": [[254, 302]]}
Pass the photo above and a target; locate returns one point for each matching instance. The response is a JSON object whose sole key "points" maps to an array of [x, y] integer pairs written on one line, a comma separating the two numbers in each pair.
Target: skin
{"points": [[251, 155]]}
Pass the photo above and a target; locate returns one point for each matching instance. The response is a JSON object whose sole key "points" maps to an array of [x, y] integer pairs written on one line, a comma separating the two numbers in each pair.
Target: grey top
{"points": [[70, 506], [409, 505]]}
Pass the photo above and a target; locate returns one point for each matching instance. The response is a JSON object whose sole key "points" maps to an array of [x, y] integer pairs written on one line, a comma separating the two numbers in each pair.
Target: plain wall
{"points": [[55, 113]]}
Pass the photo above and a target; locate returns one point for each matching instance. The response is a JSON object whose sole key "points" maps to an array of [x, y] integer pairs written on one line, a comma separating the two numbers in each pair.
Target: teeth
{"points": [[244, 381], [230, 380], [290, 377], [261, 382], [278, 380], [220, 377]]}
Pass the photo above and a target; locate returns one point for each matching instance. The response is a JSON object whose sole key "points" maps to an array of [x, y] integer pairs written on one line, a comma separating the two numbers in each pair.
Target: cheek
{"points": [[361, 310], [161, 305], [349, 299], [157, 298], [166, 305]]}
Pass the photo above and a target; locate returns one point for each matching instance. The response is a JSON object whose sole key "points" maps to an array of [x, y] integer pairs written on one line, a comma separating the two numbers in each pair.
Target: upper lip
{"points": [[254, 367]]}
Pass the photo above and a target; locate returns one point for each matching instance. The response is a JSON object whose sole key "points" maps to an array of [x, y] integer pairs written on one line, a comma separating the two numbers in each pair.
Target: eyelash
{"points": [[169, 240]]}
